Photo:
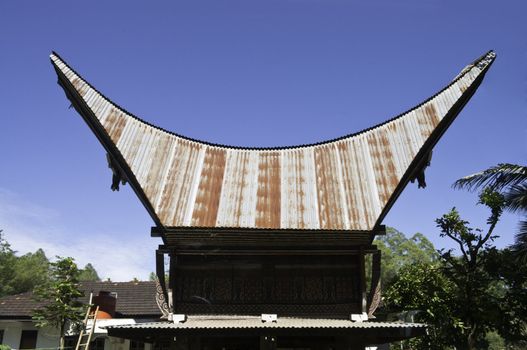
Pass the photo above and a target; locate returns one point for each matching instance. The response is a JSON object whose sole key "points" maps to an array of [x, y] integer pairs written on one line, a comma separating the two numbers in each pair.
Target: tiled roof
{"points": [[347, 184], [19, 305], [134, 299]]}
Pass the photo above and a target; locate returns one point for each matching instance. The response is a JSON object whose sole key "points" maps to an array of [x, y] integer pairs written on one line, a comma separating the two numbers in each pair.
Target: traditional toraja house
{"points": [[267, 246]]}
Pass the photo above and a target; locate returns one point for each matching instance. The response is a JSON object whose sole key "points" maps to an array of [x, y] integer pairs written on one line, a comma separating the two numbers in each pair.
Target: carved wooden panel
{"points": [[294, 285]]}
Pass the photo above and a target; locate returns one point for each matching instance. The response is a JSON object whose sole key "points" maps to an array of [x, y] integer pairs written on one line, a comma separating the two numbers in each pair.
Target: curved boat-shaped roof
{"points": [[348, 183]]}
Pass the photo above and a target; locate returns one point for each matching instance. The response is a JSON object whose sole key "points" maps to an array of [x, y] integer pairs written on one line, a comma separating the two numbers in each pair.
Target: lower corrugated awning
{"points": [[375, 332]]}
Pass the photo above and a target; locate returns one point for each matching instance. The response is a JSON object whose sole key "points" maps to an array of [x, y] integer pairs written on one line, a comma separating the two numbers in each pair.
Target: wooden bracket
{"points": [[162, 295], [419, 174], [374, 297], [118, 175]]}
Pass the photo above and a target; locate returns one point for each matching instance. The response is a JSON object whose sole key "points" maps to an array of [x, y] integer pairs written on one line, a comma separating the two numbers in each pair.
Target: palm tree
{"points": [[511, 181]]}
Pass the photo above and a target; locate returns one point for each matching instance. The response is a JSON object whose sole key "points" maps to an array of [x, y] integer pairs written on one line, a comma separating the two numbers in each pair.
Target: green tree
{"points": [[398, 251], [31, 270], [60, 296], [88, 273], [478, 308], [20, 274], [509, 289], [152, 276], [7, 271], [511, 181], [422, 290]]}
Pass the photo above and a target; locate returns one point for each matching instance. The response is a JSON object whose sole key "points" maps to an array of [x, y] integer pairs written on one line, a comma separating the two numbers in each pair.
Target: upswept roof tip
{"points": [[486, 58]]}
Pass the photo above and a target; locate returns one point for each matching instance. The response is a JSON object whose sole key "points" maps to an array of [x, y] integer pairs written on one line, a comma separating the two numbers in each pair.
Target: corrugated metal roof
{"points": [[248, 322], [344, 184]]}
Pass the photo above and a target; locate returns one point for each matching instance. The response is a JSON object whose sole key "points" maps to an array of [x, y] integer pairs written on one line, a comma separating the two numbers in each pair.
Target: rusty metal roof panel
{"points": [[239, 190], [244, 322], [344, 184]]}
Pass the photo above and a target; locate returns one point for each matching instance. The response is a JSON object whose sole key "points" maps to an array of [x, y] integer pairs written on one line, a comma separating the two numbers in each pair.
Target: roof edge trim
{"points": [[485, 59]]}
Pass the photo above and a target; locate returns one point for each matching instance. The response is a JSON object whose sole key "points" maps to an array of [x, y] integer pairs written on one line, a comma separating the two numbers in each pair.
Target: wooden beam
{"points": [[362, 267]]}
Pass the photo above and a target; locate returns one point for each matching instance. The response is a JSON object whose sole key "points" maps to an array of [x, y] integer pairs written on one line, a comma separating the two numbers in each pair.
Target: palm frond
{"points": [[520, 244], [516, 198], [497, 177]]}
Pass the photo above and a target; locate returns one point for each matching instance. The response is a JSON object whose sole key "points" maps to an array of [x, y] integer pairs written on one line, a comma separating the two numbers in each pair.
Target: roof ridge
{"points": [[487, 59]]}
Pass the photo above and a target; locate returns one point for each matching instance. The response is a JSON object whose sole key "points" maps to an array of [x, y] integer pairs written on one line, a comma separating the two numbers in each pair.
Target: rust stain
{"points": [[234, 185], [268, 193], [243, 162], [433, 116], [114, 124], [423, 122], [135, 142], [158, 166], [175, 195], [399, 159], [328, 190], [350, 169], [390, 179], [462, 86], [297, 181], [364, 190], [77, 83], [380, 173], [110, 121], [408, 143], [209, 190]]}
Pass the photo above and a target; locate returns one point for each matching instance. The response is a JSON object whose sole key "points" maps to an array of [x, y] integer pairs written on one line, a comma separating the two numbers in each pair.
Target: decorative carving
{"points": [[489, 57], [374, 297], [118, 175], [222, 289], [420, 172], [161, 301], [286, 286], [163, 296]]}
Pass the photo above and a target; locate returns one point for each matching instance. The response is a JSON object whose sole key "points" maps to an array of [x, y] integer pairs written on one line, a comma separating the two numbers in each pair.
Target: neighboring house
{"points": [[135, 303]]}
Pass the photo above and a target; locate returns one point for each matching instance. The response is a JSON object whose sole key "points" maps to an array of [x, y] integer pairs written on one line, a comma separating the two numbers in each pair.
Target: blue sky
{"points": [[252, 73]]}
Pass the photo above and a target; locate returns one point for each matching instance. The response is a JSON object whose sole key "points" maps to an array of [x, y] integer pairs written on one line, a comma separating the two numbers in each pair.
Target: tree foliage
{"points": [[20, 274], [7, 271], [31, 270], [511, 181], [509, 289], [424, 292], [88, 273], [477, 306], [152, 276], [60, 297], [474, 297], [398, 251]]}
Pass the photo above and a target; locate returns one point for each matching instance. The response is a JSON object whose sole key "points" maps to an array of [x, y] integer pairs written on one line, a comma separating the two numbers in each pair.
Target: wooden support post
{"points": [[362, 267], [160, 272], [374, 297], [172, 280]]}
